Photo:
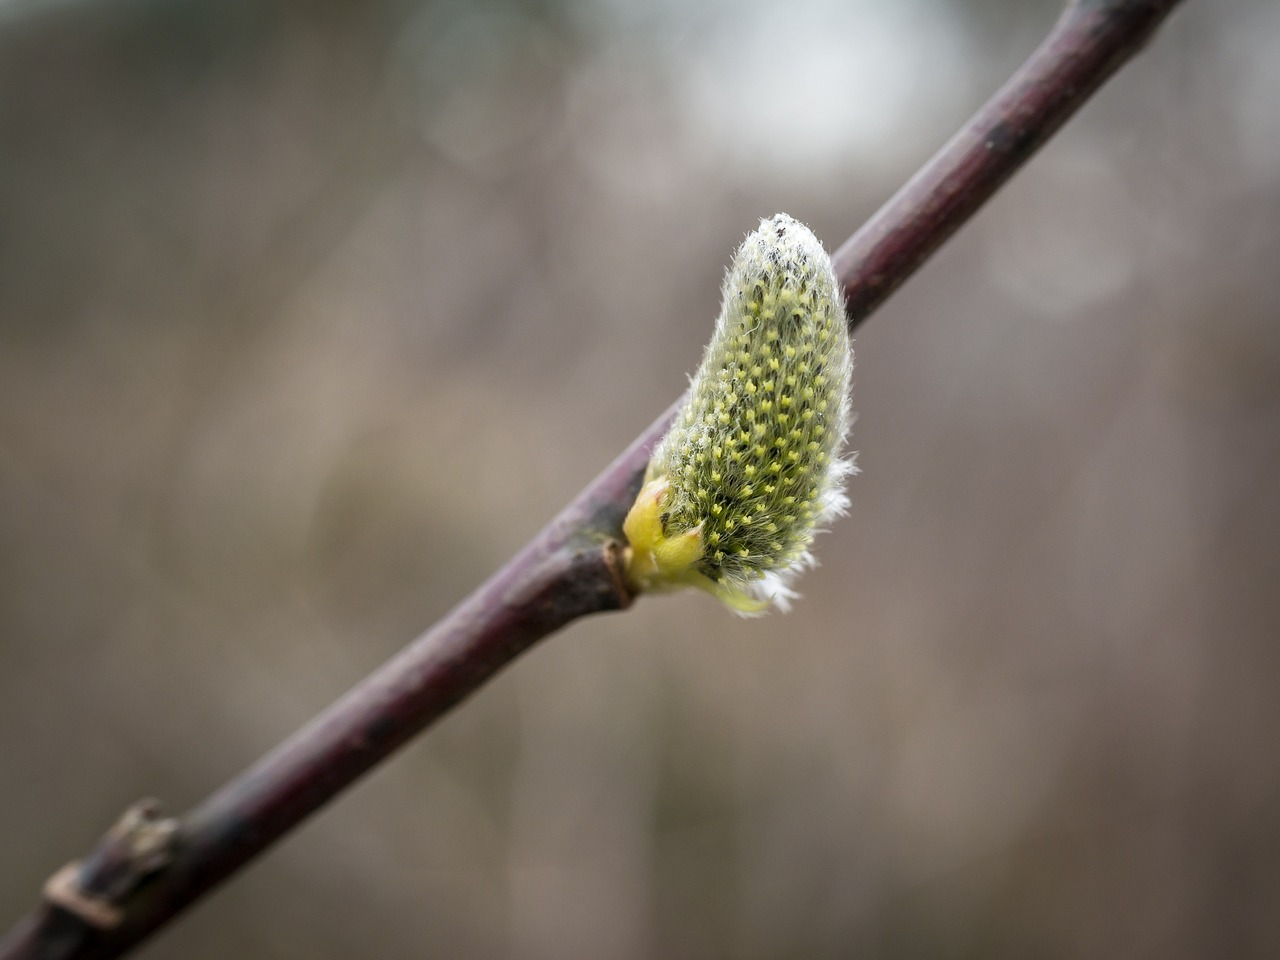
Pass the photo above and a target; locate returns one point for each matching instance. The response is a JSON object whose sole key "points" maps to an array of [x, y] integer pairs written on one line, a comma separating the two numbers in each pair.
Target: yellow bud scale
{"points": [[780, 291]]}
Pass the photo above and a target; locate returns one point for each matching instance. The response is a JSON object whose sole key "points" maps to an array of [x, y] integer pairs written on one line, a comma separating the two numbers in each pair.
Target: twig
{"points": [[147, 870]]}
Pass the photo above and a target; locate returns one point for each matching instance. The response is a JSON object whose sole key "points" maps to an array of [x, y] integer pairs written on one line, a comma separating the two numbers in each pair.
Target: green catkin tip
{"points": [[781, 313]]}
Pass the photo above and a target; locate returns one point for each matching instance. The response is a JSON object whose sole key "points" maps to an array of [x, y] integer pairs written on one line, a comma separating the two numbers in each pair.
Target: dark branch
{"points": [[147, 870], [1089, 43]]}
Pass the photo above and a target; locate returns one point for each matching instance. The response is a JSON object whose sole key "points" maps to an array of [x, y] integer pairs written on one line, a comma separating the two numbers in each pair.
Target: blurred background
{"points": [[311, 313]]}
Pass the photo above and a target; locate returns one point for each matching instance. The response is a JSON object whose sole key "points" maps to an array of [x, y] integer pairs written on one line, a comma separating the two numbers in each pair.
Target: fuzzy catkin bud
{"points": [[751, 466]]}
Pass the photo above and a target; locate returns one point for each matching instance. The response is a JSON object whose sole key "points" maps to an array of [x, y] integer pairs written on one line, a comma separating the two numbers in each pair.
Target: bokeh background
{"points": [[312, 312]]}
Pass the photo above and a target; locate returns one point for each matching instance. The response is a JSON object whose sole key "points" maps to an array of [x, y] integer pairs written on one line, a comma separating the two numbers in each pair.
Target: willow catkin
{"points": [[751, 467]]}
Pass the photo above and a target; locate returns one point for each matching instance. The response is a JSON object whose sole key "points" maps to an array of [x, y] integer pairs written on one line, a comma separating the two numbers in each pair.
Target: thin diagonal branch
{"points": [[147, 870]]}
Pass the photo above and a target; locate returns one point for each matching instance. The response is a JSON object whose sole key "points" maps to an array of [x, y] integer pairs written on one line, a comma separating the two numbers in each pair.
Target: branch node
{"points": [[137, 845], [63, 891]]}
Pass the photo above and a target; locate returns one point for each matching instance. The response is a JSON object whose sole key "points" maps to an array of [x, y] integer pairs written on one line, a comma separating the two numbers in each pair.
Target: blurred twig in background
{"points": [[148, 869]]}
